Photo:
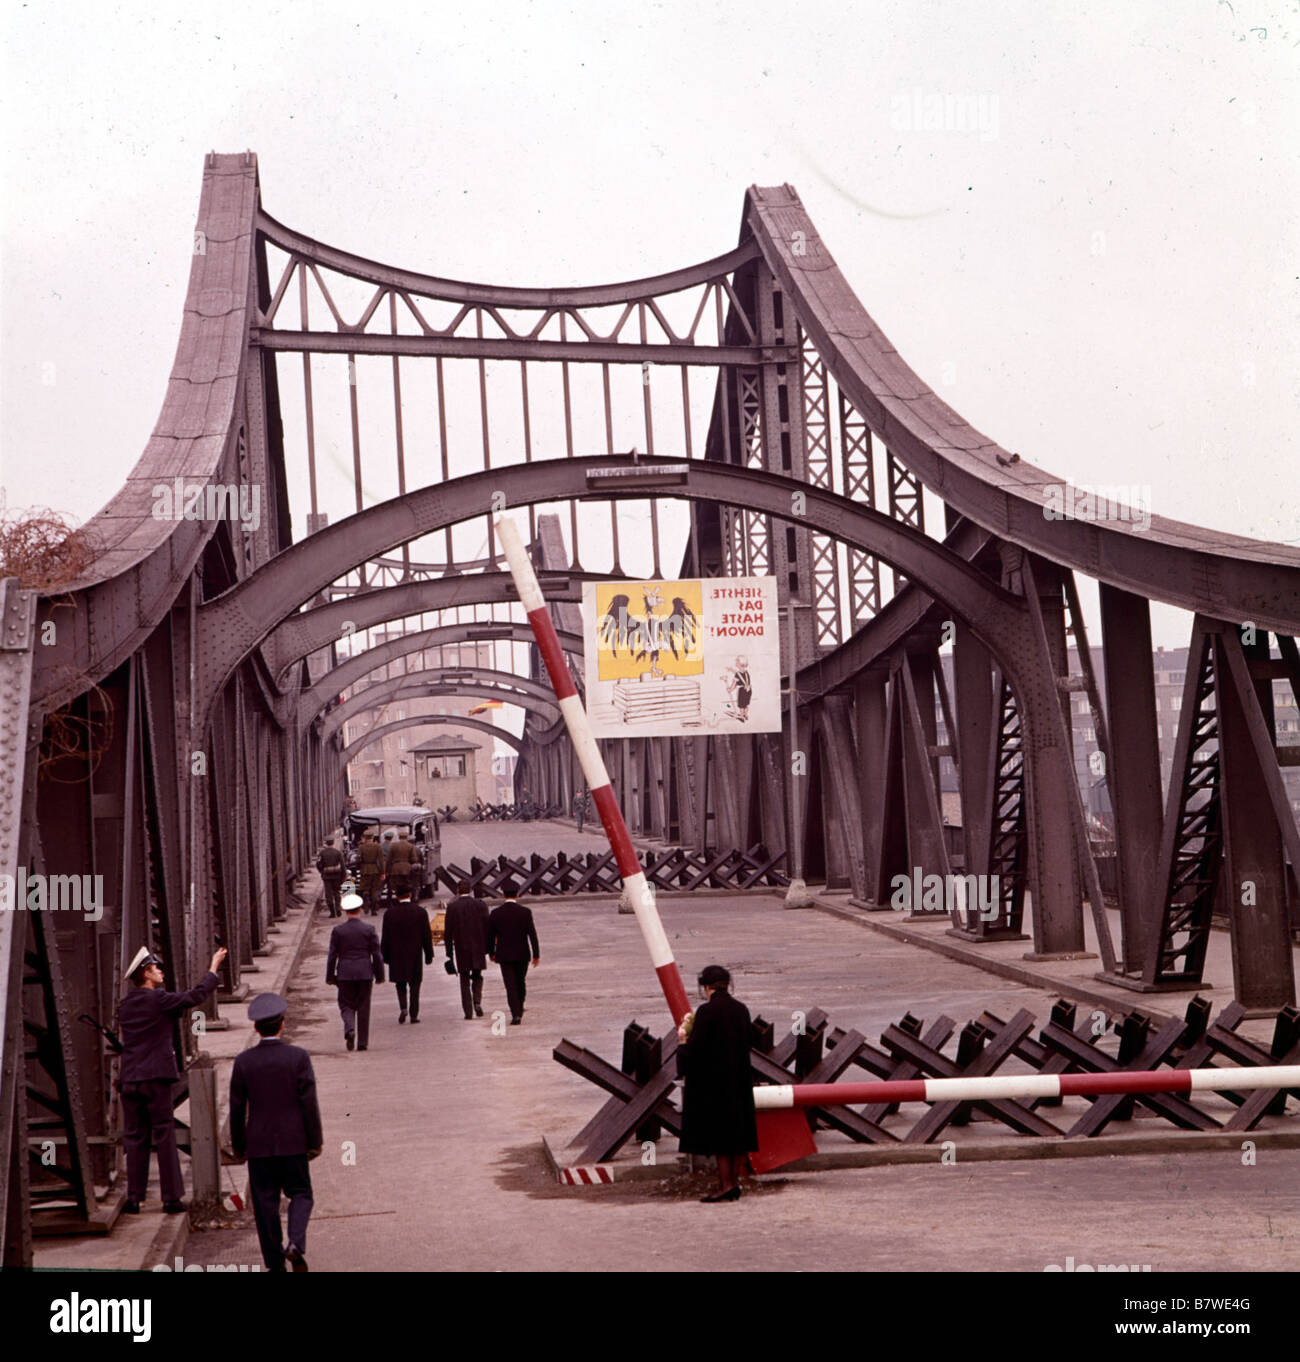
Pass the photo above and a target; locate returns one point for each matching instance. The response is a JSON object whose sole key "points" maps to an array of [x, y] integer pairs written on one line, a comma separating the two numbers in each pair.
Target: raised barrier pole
{"points": [[593, 768]]}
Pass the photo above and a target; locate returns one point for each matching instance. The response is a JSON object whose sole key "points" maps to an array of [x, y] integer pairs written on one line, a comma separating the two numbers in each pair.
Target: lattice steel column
{"points": [[17, 786], [859, 484], [815, 386]]}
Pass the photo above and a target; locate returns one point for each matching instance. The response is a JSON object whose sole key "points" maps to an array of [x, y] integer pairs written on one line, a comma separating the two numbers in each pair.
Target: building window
{"points": [[401, 742], [447, 767], [1175, 702]]}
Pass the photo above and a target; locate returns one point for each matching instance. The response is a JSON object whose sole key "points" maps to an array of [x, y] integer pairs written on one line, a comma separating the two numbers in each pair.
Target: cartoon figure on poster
{"points": [[739, 684]]}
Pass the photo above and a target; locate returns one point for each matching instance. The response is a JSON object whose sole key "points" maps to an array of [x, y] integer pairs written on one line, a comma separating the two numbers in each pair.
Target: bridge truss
{"points": [[172, 721]]}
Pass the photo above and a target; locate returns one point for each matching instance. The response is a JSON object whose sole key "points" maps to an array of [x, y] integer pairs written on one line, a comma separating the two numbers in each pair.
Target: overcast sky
{"points": [[1100, 273]]}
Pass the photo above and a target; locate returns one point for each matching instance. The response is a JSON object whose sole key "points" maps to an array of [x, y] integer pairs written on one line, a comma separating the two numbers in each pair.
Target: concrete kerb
{"points": [[169, 1243]]}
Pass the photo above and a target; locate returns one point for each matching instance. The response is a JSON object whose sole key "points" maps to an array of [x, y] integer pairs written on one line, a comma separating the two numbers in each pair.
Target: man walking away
{"points": [[370, 872], [354, 964], [465, 933], [275, 1125], [406, 943], [330, 865], [510, 934], [145, 1018], [403, 860]]}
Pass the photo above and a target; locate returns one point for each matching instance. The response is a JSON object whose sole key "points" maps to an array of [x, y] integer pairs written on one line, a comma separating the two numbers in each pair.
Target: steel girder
{"points": [[352, 669], [350, 753], [1222, 575], [479, 681]]}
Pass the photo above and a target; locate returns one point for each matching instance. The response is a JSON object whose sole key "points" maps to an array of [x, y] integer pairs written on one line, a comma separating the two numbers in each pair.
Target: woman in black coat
{"points": [[718, 1100]]}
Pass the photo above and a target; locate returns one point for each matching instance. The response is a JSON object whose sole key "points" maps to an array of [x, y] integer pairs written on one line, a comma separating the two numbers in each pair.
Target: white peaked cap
{"points": [[142, 957]]}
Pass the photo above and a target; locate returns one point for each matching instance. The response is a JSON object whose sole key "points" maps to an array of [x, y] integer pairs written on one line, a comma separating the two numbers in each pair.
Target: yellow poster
{"points": [[649, 628]]}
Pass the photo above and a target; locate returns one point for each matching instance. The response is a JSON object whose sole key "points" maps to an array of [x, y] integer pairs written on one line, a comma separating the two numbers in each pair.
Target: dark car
{"points": [[420, 824]]}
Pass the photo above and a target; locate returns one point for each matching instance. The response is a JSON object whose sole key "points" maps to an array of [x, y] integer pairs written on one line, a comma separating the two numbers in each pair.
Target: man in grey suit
{"points": [[355, 965], [465, 931]]}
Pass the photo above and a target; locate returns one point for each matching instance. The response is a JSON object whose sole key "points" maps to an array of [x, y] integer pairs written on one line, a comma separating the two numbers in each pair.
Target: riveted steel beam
{"points": [[480, 681], [352, 669], [355, 748]]}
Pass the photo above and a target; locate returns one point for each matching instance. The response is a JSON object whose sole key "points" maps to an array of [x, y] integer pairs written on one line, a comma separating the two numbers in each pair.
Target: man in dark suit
{"points": [[145, 1018], [718, 1096], [355, 964], [510, 934], [465, 933], [330, 865], [406, 943], [275, 1125], [370, 871]]}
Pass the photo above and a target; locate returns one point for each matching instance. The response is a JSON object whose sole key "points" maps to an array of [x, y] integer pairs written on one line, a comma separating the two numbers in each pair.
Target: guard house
{"points": [[446, 773]]}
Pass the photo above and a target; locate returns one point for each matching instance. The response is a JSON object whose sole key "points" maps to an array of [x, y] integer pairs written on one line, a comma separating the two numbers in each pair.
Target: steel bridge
{"points": [[171, 722]]}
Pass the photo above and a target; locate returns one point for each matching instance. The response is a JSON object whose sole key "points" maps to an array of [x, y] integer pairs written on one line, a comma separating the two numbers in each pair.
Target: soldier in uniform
{"points": [[403, 863], [145, 1018], [465, 935], [354, 965], [330, 865], [406, 943], [275, 1125], [386, 852], [370, 870]]}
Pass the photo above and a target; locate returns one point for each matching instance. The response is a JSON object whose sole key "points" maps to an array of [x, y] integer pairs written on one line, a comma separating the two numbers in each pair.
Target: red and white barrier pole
{"points": [[784, 1096], [593, 767]]}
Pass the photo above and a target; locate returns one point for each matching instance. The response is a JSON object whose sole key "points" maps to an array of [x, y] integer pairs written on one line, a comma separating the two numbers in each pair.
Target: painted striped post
{"points": [[593, 768], [778, 1097]]}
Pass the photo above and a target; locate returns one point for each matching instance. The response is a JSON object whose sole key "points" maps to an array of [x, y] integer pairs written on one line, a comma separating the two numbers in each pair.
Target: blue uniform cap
{"points": [[266, 1007]]}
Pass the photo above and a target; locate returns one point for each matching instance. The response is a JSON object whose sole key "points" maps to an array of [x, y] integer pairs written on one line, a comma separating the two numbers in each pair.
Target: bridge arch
{"points": [[353, 669], [359, 745], [483, 684]]}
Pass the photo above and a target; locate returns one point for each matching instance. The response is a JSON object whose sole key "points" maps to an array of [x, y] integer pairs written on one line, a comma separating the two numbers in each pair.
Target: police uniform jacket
{"points": [[511, 931], [144, 1019], [354, 953], [370, 861], [718, 1099], [330, 863], [273, 1108], [406, 942], [403, 858], [465, 932]]}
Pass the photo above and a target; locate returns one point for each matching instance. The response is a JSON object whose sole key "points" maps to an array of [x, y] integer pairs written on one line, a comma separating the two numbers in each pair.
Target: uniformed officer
{"points": [[145, 1019], [275, 1125], [354, 965], [403, 859], [330, 865], [386, 852], [370, 871]]}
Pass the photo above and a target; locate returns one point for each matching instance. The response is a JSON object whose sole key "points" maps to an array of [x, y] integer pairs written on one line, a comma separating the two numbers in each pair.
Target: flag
{"points": [[489, 704]]}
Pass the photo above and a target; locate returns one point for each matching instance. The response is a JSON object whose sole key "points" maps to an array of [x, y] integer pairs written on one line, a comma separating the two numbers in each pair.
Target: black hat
{"points": [[266, 1007]]}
